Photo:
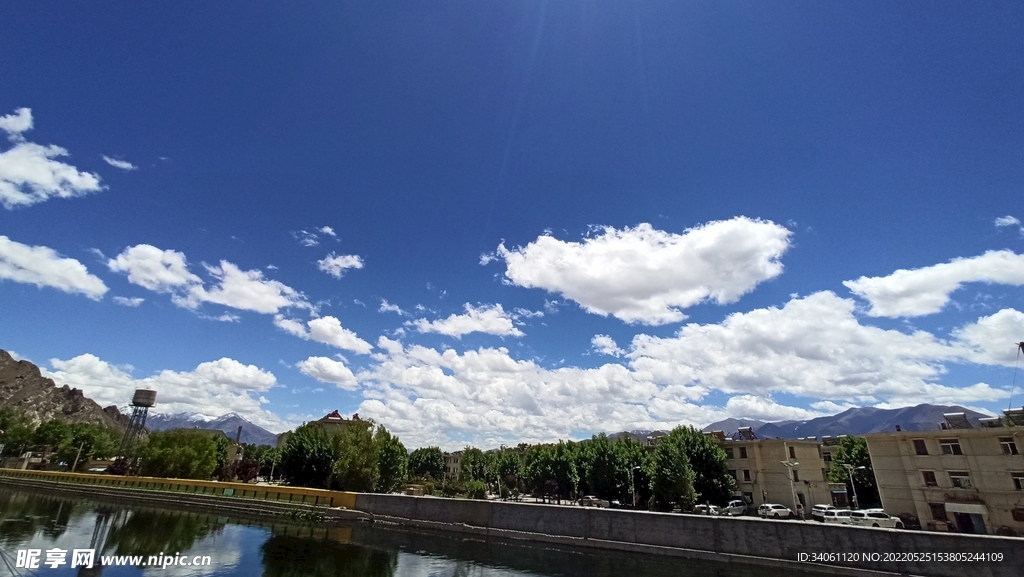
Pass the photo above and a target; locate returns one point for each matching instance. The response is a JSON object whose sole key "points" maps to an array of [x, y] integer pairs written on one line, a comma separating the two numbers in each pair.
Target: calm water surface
{"points": [[249, 548]]}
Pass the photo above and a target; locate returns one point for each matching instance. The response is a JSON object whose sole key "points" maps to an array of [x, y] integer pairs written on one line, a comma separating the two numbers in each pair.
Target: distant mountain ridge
{"points": [[855, 421], [24, 389], [251, 432]]}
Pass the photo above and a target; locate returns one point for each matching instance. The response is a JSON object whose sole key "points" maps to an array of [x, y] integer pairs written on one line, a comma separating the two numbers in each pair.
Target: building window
{"points": [[732, 473], [938, 511], [950, 446], [1018, 481], [929, 479], [728, 453], [743, 452], [826, 456], [960, 479], [748, 496], [919, 447], [792, 452], [796, 475], [824, 474], [746, 474], [1009, 447]]}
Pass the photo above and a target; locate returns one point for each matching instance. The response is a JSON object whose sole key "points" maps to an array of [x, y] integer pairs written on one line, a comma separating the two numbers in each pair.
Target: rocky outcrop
{"points": [[24, 389]]}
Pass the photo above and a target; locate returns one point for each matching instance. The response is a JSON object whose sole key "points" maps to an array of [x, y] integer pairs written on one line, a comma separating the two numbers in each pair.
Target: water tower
{"points": [[142, 400]]}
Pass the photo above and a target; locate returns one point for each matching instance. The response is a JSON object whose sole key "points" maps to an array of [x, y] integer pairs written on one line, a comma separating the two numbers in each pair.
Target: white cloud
{"points": [[326, 330], [44, 267], [328, 231], [992, 340], [766, 409], [490, 319], [122, 164], [15, 124], [386, 307], [154, 269], [29, 172], [129, 302], [166, 271], [644, 275], [922, 291], [336, 265], [329, 371], [606, 345], [306, 238], [1007, 221], [212, 389]]}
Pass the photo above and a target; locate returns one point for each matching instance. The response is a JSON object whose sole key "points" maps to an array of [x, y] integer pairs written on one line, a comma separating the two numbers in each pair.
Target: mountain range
{"points": [[855, 421], [251, 433]]}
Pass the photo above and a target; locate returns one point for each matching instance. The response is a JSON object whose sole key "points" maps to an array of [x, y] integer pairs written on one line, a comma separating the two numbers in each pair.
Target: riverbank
{"points": [[839, 550]]}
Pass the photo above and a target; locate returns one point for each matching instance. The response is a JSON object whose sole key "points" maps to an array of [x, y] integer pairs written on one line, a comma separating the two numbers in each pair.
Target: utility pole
{"points": [[80, 447], [849, 471]]}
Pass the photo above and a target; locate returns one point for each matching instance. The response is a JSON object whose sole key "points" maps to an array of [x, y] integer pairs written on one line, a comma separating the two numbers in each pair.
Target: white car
{"points": [[874, 518], [774, 511], [736, 507], [841, 516], [706, 510], [818, 511], [592, 501]]}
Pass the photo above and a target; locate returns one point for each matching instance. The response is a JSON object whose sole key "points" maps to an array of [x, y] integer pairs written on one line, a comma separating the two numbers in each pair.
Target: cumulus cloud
{"points": [[166, 271], [328, 231], [212, 389], [923, 291], [336, 264], [490, 319], [44, 267], [606, 345], [30, 173], [991, 340], [386, 307], [328, 370], [326, 330], [645, 275], [1007, 221], [122, 164], [129, 302]]}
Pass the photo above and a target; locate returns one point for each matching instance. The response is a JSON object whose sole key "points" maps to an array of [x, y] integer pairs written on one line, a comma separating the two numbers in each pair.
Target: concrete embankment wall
{"points": [[732, 539]]}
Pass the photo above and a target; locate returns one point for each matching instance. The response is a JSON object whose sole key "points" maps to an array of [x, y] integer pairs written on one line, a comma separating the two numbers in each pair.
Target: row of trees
{"points": [[67, 442], [363, 457]]}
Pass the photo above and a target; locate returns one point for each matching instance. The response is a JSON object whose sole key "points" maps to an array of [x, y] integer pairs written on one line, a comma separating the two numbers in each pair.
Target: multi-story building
{"points": [[790, 472], [956, 477], [452, 465], [331, 423]]}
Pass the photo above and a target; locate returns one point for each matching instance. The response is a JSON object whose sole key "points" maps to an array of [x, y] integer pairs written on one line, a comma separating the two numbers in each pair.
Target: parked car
{"points": [[775, 511], [735, 508], [592, 501], [874, 518], [818, 511], [841, 516], [706, 510]]}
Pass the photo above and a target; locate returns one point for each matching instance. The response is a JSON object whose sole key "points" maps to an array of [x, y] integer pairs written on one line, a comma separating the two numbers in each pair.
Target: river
{"points": [[227, 546]]}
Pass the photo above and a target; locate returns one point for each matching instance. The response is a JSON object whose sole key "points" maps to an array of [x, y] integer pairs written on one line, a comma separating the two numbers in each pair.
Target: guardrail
{"points": [[297, 495]]}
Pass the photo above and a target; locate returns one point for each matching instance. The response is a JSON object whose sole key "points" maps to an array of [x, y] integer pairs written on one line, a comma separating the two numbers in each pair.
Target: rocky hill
{"points": [[24, 389]]}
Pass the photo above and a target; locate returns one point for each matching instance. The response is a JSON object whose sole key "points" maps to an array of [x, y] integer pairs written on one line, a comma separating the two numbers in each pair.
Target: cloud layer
{"points": [[44, 267], [326, 330], [490, 319], [30, 173], [644, 275], [924, 291]]}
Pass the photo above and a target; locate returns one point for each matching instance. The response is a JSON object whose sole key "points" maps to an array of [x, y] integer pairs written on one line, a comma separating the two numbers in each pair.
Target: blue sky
{"points": [[498, 221]]}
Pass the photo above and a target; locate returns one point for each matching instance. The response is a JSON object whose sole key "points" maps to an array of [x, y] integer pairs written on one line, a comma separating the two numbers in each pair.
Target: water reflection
{"points": [[245, 547]]}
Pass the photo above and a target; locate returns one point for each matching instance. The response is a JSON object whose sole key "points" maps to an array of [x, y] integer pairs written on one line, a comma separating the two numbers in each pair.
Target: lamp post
{"points": [[791, 465], [632, 485], [849, 471]]}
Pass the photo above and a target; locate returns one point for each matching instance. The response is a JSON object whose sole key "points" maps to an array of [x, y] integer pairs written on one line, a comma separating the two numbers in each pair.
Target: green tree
{"points": [[638, 463], [583, 459], [509, 470], [17, 432], [671, 475], [607, 476], [854, 451], [307, 458], [427, 462], [181, 454], [87, 441], [355, 468], [392, 461], [53, 433], [550, 470], [473, 465], [712, 482]]}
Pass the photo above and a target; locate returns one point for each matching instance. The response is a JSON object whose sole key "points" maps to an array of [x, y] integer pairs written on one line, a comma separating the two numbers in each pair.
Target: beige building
{"points": [[793, 473], [452, 465], [331, 423], [956, 477]]}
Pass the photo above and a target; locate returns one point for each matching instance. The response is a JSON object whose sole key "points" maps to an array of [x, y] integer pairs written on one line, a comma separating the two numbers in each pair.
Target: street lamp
{"points": [[849, 471], [792, 465], [632, 486]]}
